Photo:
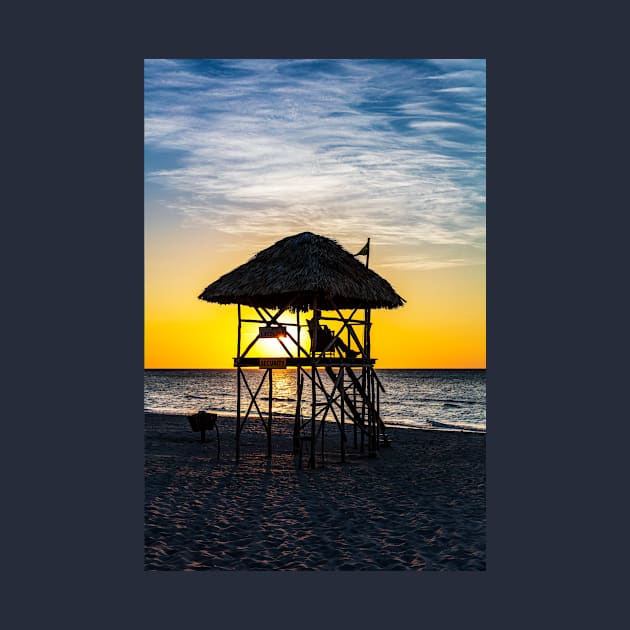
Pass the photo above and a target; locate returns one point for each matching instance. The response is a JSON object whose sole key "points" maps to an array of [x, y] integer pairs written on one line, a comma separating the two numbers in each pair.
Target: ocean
{"points": [[427, 399]]}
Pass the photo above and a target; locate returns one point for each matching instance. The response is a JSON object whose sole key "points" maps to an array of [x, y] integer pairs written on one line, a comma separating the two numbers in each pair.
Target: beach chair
{"points": [[203, 421]]}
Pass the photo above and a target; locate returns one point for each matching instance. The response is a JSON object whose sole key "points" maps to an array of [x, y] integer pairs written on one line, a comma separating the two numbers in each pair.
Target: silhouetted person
{"points": [[325, 336]]}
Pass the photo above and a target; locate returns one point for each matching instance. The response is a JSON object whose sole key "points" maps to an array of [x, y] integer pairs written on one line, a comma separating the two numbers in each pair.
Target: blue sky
{"points": [[255, 150]]}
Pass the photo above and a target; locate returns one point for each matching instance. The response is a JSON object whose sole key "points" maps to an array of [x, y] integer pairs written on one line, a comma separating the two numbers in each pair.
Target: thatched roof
{"points": [[299, 268]]}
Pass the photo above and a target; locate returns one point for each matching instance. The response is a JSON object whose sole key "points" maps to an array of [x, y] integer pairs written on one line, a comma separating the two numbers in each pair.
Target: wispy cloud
{"points": [[393, 149]]}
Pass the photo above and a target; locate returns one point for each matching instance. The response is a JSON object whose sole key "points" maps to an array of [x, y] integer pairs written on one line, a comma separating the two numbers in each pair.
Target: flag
{"points": [[365, 250]]}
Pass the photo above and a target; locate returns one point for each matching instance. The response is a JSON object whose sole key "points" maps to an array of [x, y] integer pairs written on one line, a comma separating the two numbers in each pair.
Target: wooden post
{"points": [[378, 411], [354, 423], [366, 376], [343, 427], [298, 385], [270, 370], [323, 430], [375, 408], [362, 449], [311, 461], [372, 419], [298, 409], [238, 387]]}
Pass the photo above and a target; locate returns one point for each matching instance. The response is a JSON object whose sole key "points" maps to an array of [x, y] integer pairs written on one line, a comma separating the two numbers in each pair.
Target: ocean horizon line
{"points": [[436, 369]]}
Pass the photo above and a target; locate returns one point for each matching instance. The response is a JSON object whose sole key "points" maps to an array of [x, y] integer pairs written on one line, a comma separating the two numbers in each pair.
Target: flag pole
{"points": [[367, 372]]}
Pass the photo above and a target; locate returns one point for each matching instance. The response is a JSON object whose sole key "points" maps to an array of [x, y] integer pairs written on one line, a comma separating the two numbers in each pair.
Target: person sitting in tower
{"points": [[325, 335]]}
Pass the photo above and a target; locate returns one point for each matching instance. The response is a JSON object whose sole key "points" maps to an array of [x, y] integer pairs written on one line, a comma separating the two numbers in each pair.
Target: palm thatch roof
{"points": [[296, 270]]}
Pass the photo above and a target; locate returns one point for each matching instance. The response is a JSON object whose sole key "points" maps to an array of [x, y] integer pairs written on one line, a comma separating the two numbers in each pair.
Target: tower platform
{"points": [[281, 362]]}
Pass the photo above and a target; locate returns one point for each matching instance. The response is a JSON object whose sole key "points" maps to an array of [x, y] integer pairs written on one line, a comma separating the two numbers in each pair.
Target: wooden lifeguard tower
{"points": [[301, 274]]}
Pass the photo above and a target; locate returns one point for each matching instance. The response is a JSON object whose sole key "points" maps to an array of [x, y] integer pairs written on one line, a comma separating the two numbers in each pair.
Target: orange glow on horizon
{"points": [[442, 324], [397, 341]]}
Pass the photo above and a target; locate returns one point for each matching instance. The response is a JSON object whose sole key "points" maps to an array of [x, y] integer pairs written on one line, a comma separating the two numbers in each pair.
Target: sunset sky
{"points": [[241, 153]]}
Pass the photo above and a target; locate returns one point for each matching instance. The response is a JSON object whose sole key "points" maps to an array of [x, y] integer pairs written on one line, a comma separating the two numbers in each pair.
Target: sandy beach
{"points": [[419, 505]]}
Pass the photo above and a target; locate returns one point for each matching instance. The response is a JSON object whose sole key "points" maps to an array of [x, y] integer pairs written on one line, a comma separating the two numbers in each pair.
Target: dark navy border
{"points": [[77, 495]]}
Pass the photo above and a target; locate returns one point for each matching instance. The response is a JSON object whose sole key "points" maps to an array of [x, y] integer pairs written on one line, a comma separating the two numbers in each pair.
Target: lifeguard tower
{"points": [[330, 350]]}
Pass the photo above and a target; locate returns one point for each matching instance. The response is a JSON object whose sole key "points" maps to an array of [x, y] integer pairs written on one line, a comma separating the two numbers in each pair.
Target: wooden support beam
{"points": [[355, 379], [355, 396], [270, 373], [238, 389], [342, 446], [311, 461], [298, 408], [253, 400]]}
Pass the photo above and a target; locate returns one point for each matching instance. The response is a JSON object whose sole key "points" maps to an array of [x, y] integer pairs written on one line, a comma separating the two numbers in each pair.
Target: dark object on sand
{"points": [[203, 421]]}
